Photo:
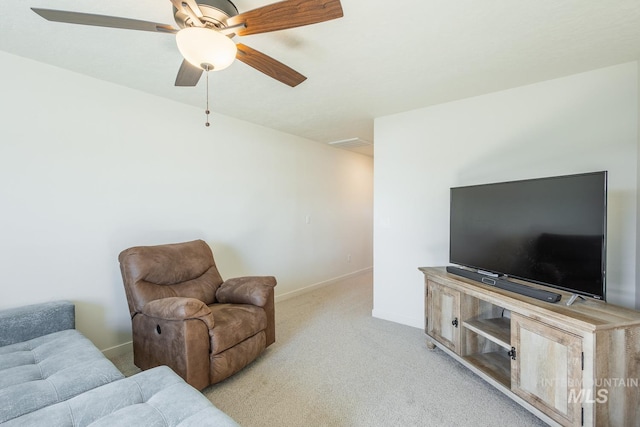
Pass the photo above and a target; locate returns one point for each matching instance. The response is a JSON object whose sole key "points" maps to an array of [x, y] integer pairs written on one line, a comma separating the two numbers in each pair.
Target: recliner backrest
{"points": [[172, 270]]}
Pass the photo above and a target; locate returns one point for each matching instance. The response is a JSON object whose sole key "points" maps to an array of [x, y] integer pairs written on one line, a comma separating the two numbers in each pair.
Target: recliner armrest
{"points": [[178, 308], [254, 290]]}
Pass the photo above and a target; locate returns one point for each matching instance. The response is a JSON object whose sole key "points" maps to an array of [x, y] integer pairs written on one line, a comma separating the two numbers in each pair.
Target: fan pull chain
{"points": [[207, 110]]}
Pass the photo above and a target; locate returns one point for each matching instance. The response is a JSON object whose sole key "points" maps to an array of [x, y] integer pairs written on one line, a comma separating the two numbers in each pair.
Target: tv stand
{"points": [[569, 365], [508, 285], [573, 299]]}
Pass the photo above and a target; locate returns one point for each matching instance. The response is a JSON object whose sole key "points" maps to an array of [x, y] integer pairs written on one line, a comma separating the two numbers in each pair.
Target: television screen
{"points": [[550, 231]]}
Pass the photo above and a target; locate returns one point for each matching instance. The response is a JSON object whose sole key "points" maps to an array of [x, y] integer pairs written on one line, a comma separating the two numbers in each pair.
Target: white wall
{"points": [[638, 206], [88, 168], [581, 123]]}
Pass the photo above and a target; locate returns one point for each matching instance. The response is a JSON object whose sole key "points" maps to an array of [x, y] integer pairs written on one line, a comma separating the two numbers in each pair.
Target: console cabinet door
{"points": [[444, 315], [547, 369]]}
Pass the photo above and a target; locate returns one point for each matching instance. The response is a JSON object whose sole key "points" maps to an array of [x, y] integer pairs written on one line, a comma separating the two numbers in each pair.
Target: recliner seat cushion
{"points": [[234, 323], [50, 369]]}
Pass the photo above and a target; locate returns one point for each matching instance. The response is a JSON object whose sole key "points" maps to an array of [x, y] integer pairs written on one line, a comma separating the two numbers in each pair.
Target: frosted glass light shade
{"points": [[201, 46]]}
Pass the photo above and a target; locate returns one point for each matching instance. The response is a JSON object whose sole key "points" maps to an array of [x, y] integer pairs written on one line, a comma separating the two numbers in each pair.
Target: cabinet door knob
{"points": [[455, 322]]}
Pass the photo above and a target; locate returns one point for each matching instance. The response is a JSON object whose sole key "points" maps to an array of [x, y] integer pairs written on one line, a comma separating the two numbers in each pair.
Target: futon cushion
{"points": [[50, 369], [31, 321], [156, 397], [234, 323]]}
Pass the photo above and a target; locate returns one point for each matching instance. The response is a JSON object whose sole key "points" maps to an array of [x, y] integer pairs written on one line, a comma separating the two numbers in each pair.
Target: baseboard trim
{"points": [[118, 350], [397, 318], [322, 284], [121, 349]]}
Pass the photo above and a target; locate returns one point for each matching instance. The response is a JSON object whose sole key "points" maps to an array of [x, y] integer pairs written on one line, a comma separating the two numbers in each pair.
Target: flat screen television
{"points": [[551, 231]]}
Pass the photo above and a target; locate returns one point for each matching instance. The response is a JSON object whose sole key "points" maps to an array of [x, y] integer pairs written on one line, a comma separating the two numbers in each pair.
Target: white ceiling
{"points": [[382, 57]]}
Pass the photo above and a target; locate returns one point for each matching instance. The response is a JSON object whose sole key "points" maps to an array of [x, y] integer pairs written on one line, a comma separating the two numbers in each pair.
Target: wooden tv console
{"points": [[570, 365]]}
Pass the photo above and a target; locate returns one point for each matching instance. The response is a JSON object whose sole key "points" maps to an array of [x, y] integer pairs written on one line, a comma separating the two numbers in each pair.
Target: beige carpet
{"points": [[335, 365]]}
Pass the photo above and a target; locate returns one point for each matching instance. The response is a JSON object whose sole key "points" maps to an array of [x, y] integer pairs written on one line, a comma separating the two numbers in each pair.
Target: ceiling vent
{"points": [[350, 143], [357, 145]]}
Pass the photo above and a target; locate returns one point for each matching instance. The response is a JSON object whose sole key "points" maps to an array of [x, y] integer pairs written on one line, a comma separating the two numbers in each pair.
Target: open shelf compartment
{"points": [[497, 329], [496, 364]]}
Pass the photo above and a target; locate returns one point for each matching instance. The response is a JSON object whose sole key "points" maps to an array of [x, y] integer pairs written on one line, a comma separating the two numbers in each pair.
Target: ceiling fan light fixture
{"points": [[206, 48]]}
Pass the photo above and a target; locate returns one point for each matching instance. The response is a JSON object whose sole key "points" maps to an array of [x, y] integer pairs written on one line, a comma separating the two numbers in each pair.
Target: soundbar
{"points": [[506, 285]]}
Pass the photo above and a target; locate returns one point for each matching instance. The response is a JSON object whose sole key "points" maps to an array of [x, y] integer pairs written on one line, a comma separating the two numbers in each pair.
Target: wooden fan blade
{"points": [[188, 75], [286, 14], [269, 66], [102, 20]]}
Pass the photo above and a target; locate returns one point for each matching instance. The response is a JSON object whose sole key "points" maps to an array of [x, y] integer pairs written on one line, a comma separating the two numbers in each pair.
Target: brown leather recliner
{"points": [[185, 316]]}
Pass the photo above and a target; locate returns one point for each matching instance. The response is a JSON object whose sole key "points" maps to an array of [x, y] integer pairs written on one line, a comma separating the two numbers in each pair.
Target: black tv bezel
{"points": [[603, 268]]}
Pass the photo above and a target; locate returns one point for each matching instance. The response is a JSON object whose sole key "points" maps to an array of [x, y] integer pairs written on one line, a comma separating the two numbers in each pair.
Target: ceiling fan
{"points": [[206, 28]]}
